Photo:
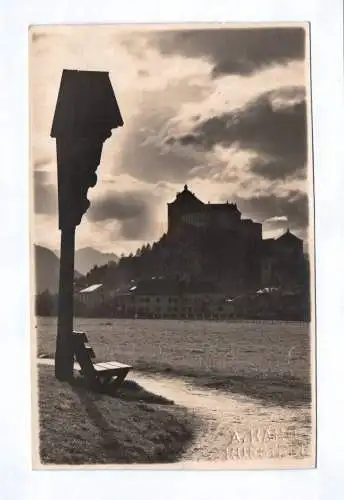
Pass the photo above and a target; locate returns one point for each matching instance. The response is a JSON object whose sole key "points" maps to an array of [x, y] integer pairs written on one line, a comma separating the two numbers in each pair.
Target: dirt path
{"points": [[233, 427]]}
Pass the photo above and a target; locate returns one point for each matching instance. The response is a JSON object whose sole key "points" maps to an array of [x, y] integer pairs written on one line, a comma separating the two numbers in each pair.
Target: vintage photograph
{"points": [[172, 246]]}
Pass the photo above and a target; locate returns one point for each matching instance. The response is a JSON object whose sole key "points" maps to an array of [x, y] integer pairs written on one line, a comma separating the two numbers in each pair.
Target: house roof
{"points": [[271, 246], [223, 206], [288, 236], [91, 288], [187, 197]]}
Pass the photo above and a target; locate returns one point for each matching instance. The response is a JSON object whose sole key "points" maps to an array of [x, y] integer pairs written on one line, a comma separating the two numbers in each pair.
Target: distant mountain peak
{"points": [[86, 258], [47, 269]]}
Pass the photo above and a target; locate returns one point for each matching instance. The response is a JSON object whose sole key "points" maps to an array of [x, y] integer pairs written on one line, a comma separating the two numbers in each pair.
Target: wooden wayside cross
{"points": [[86, 112]]}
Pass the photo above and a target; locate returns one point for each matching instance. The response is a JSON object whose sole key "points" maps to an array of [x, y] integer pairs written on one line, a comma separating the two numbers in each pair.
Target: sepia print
{"points": [[173, 314]]}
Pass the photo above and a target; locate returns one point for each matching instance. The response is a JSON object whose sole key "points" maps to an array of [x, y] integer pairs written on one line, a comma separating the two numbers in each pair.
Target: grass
{"points": [[264, 360], [81, 427], [282, 391]]}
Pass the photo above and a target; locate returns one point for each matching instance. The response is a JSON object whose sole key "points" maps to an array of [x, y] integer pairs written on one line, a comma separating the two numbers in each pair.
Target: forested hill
{"points": [[123, 270], [193, 254]]}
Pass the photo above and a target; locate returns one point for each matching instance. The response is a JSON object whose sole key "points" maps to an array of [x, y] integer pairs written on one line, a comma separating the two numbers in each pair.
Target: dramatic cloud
{"points": [[235, 51], [262, 125], [130, 212], [274, 126], [277, 168], [144, 154], [277, 209]]}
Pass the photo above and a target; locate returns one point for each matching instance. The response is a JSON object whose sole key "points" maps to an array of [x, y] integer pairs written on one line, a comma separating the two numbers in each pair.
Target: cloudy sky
{"points": [[223, 110]]}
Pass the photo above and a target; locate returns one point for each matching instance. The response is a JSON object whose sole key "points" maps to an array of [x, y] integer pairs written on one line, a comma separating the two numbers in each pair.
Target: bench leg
{"points": [[120, 378], [101, 382], [117, 380], [105, 379]]}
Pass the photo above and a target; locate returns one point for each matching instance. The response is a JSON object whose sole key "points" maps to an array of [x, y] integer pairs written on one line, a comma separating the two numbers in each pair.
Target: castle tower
{"points": [[184, 203]]}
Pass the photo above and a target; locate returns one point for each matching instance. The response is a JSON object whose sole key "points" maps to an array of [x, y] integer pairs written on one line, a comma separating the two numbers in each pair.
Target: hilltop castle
{"points": [[208, 258], [212, 240], [187, 209]]}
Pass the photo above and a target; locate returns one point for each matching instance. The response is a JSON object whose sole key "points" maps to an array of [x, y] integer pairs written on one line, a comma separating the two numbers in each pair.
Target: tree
{"points": [[45, 304]]}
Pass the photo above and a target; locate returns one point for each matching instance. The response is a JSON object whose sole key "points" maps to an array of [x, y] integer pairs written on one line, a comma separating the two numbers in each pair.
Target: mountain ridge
{"points": [[86, 258], [47, 270]]}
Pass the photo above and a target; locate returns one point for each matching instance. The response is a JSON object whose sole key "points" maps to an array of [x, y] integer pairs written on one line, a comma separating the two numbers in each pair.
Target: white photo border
{"points": [[17, 480]]}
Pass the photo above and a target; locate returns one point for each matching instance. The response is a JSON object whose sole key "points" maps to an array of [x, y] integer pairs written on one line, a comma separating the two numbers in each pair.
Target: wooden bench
{"points": [[98, 374]]}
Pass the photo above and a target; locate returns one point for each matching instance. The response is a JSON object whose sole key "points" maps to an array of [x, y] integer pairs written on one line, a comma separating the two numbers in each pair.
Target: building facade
{"points": [[94, 296], [214, 240], [163, 298], [283, 262], [187, 210]]}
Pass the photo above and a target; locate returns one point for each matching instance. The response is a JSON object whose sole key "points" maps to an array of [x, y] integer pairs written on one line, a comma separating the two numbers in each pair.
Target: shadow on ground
{"points": [[127, 391], [79, 426]]}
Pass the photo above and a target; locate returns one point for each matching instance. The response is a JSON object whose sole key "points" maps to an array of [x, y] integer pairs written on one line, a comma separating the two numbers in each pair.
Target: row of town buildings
{"points": [[162, 298], [157, 297]]}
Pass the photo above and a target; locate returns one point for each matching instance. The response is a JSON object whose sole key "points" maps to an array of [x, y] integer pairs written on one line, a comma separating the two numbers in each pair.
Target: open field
{"points": [[264, 360], [81, 427]]}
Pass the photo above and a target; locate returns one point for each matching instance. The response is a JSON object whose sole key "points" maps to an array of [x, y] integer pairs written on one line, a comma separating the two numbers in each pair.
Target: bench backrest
{"points": [[83, 353]]}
